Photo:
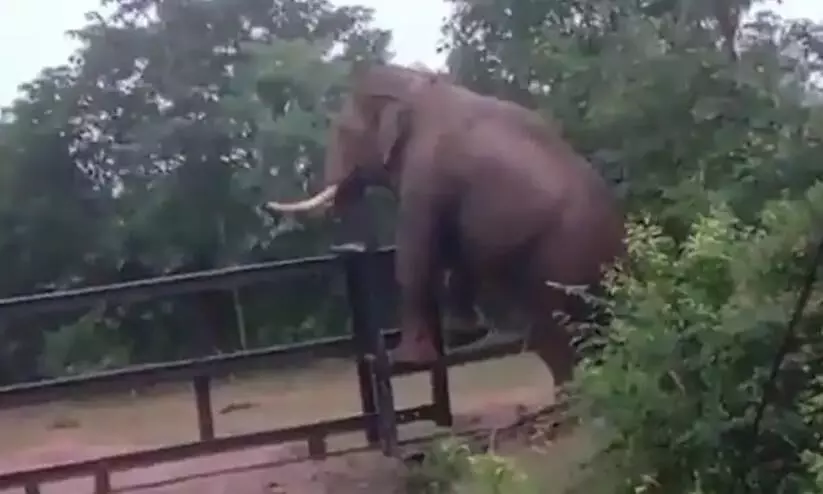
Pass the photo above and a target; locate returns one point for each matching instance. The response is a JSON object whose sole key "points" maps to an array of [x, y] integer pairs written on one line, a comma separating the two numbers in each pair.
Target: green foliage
{"points": [[652, 94], [149, 153], [684, 382], [85, 346], [152, 149], [706, 116], [443, 465], [450, 467]]}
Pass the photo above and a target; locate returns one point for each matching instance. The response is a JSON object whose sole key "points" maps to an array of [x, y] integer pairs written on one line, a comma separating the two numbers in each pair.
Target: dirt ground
{"points": [[489, 393]]}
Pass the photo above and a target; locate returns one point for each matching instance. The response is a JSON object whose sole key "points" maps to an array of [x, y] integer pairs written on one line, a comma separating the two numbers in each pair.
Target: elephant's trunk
{"points": [[323, 198]]}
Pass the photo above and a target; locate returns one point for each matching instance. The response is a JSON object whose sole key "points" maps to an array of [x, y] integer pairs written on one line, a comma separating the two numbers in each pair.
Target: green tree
{"points": [[131, 162], [708, 119], [710, 377], [657, 94]]}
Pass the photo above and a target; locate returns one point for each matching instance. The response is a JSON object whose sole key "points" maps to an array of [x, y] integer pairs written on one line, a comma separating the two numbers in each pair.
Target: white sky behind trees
{"points": [[32, 32]]}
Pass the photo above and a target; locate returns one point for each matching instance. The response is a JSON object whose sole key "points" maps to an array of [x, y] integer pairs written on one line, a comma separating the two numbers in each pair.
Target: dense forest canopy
{"points": [[151, 149]]}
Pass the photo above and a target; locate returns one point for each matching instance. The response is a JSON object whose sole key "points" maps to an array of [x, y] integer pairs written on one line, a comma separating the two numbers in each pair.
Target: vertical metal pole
{"points": [[102, 481], [378, 392], [439, 378], [202, 399], [358, 251], [318, 449], [357, 310], [381, 368]]}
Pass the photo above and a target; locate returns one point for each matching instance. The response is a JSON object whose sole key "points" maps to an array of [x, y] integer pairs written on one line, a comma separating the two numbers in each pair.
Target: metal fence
{"points": [[379, 419]]}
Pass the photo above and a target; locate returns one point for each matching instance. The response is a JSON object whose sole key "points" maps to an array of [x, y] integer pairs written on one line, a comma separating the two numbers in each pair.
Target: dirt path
{"points": [[67, 431]]}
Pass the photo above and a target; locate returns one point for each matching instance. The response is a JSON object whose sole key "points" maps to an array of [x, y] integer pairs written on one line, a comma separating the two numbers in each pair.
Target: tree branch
{"points": [[789, 337]]}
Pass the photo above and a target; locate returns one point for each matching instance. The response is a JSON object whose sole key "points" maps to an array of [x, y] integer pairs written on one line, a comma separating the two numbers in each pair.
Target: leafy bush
{"points": [[450, 467], [89, 344], [703, 385]]}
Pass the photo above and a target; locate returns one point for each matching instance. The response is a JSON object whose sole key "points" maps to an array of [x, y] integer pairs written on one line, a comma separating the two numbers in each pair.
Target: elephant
{"points": [[487, 190]]}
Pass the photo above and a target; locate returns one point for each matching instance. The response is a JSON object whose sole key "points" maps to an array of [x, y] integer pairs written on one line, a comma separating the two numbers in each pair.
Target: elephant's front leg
{"points": [[419, 273]]}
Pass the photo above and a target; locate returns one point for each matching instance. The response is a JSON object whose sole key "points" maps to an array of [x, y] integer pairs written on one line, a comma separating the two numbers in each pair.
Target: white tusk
{"points": [[318, 200]]}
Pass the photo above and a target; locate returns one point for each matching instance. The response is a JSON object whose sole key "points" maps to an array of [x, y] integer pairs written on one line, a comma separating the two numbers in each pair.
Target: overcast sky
{"points": [[32, 32]]}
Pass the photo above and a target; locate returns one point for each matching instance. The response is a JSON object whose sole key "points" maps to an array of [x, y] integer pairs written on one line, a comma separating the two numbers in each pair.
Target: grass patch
{"points": [[516, 465]]}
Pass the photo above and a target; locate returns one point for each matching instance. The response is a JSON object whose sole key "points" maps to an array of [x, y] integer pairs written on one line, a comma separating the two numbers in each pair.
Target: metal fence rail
{"points": [[131, 377], [101, 469], [368, 343], [168, 286]]}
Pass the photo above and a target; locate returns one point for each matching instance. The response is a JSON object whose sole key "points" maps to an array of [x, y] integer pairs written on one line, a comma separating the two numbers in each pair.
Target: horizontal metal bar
{"points": [[507, 346], [137, 459], [163, 286], [133, 377], [127, 378], [166, 286], [136, 376], [280, 462]]}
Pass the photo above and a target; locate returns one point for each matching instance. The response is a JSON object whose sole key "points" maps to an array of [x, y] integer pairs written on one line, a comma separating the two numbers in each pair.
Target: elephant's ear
{"points": [[388, 91], [391, 126]]}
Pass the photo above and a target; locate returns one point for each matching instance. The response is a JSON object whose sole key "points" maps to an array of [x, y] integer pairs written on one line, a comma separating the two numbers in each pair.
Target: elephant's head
{"points": [[364, 136]]}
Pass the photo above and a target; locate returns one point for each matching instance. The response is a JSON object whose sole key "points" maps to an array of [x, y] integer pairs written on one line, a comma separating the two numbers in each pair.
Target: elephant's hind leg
{"points": [[550, 337], [552, 343]]}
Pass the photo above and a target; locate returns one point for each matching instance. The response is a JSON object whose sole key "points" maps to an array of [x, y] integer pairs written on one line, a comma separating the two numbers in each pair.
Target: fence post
{"points": [[381, 367], [439, 378], [373, 363], [202, 399], [356, 242], [357, 310]]}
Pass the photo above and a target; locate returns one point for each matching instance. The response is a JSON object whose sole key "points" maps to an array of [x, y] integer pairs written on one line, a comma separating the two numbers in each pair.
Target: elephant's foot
{"points": [[553, 347], [418, 348], [465, 333], [460, 323]]}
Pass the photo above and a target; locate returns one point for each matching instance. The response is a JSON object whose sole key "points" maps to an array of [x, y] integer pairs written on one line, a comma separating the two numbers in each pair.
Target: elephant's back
{"points": [[527, 208], [521, 233], [510, 189]]}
